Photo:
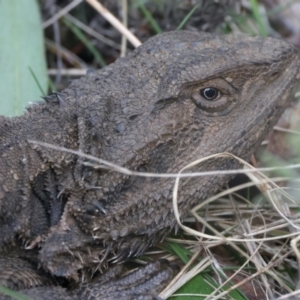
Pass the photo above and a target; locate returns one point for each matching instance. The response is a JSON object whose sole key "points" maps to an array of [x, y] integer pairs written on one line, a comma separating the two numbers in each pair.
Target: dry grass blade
{"points": [[115, 22], [68, 72], [255, 178], [278, 128], [174, 285], [101, 162], [61, 13], [267, 186], [125, 24], [290, 296], [294, 246]]}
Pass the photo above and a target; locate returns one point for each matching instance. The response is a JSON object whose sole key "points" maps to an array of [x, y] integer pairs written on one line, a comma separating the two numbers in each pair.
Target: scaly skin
{"points": [[147, 111]]}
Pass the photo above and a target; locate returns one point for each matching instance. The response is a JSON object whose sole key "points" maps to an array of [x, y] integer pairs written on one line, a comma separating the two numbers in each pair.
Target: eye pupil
{"points": [[209, 93]]}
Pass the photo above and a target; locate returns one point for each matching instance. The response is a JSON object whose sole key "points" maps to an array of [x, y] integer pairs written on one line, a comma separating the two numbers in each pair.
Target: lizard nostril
{"points": [[133, 117], [274, 75]]}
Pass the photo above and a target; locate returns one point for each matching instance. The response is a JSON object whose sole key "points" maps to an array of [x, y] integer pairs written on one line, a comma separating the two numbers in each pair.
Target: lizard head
{"points": [[177, 98]]}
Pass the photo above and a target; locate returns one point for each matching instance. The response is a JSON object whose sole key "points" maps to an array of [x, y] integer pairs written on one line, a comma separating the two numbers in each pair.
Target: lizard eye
{"points": [[210, 93], [213, 96], [210, 99]]}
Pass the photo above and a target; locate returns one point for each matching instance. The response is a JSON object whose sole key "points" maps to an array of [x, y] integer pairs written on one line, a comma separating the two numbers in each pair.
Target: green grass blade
{"points": [[37, 82], [22, 50], [51, 85], [149, 17], [13, 294], [186, 18], [181, 252], [258, 17]]}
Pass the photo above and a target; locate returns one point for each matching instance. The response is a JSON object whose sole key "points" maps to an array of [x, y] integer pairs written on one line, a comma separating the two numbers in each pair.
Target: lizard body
{"points": [[179, 97]]}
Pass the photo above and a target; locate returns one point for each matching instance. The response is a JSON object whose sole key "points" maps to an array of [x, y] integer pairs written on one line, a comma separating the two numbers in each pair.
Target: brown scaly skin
{"points": [[145, 112]]}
